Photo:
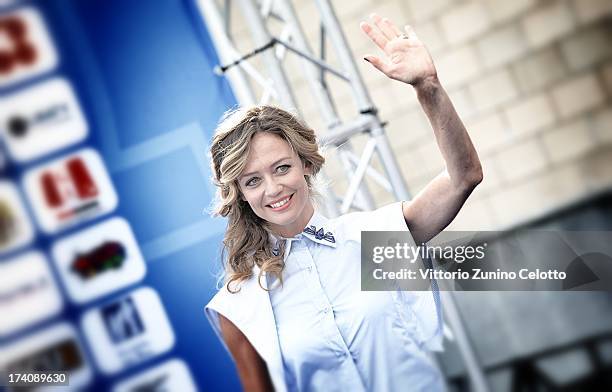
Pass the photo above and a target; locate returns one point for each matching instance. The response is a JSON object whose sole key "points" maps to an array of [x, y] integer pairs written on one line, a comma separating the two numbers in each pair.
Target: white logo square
{"points": [[25, 46], [70, 190], [56, 348], [28, 292], [41, 119], [172, 375], [99, 260], [128, 330], [16, 229]]}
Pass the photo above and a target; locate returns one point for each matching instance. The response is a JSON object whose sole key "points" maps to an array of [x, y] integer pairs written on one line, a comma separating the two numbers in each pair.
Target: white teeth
{"points": [[280, 203]]}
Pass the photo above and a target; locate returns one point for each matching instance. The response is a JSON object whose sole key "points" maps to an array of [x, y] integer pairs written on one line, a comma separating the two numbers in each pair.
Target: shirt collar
{"points": [[318, 229]]}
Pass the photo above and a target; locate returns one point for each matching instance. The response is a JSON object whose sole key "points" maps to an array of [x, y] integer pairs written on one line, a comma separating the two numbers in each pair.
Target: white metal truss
{"points": [[276, 88]]}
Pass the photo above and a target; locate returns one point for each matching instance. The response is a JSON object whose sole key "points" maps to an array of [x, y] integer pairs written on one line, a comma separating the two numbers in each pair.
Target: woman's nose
{"points": [[273, 188]]}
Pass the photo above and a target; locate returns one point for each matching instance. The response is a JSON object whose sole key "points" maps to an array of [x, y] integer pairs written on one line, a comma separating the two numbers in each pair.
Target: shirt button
{"points": [[326, 309]]}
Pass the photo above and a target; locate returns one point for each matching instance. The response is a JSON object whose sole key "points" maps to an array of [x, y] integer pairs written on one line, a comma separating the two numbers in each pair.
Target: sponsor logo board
{"points": [[41, 119], [99, 260], [70, 190], [128, 331], [26, 49], [28, 292], [15, 228]]}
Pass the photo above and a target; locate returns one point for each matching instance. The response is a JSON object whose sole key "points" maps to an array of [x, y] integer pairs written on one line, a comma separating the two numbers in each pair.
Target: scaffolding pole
{"points": [[224, 47]]}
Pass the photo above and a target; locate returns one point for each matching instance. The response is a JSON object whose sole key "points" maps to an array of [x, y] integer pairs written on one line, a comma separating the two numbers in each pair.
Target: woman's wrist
{"points": [[427, 85], [429, 93]]}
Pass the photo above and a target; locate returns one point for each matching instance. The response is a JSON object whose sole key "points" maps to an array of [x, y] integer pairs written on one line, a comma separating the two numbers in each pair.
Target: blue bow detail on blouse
{"points": [[318, 234]]}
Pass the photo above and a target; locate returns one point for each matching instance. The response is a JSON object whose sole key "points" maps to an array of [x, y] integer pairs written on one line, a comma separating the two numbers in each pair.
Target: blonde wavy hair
{"points": [[246, 240]]}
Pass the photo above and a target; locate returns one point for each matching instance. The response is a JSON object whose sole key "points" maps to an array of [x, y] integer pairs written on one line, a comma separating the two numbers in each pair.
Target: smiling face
{"points": [[273, 184]]}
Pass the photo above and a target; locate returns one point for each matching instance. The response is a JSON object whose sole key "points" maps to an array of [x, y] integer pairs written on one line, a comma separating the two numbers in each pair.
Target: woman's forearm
{"points": [[462, 163]]}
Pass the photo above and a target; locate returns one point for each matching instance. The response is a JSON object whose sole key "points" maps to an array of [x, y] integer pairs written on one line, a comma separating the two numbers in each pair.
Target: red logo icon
{"points": [[26, 49], [21, 52], [108, 256], [76, 183]]}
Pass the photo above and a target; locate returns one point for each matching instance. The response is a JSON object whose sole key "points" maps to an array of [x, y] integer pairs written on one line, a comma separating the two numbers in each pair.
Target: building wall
{"points": [[532, 81]]}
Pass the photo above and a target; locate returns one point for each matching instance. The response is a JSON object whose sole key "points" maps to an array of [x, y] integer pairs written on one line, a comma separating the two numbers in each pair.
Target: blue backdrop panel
{"points": [[142, 71], [164, 194]]}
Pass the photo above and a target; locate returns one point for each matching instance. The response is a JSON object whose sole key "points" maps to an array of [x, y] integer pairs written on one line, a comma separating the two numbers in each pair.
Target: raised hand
{"points": [[408, 60]]}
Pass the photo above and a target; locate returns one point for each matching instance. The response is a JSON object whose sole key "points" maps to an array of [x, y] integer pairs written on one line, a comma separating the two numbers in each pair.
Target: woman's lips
{"points": [[283, 207]]}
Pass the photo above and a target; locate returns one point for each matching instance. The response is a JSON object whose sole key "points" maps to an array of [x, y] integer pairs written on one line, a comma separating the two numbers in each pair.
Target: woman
{"points": [[291, 311]]}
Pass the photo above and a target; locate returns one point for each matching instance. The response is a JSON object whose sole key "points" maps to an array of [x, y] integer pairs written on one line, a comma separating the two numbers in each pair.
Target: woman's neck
{"points": [[296, 227]]}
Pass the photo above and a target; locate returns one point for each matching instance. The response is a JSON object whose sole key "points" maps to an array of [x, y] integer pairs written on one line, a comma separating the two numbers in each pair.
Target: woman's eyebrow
{"points": [[274, 164]]}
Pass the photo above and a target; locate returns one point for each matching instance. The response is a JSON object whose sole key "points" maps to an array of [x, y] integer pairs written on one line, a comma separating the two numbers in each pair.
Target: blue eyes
{"points": [[282, 169], [252, 181]]}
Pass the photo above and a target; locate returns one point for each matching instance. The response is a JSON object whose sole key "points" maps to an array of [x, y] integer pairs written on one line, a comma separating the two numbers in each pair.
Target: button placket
{"points": [[310, 277], [328, 320], [324, 304]]}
